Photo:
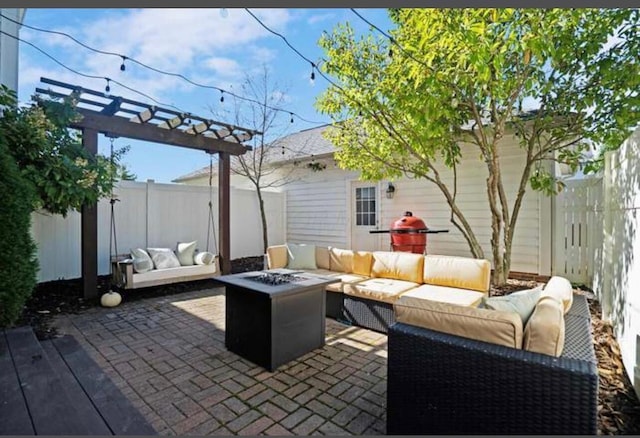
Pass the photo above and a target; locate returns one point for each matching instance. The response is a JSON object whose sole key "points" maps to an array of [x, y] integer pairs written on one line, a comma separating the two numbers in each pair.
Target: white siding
{"points": [[318, 210], [318, 207], [156, 215]]}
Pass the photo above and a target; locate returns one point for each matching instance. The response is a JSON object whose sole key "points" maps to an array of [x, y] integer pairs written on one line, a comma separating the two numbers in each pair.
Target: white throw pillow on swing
{"points": [[141, 260], [163, 258], [204, 258], [185, 252]]}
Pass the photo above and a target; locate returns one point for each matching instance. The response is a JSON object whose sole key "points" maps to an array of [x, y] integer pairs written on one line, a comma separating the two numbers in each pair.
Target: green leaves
{"points": [[51, 157]]}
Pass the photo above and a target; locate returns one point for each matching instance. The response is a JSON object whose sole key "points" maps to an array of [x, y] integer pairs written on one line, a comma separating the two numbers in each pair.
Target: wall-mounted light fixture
{"points": [[391, 190]]}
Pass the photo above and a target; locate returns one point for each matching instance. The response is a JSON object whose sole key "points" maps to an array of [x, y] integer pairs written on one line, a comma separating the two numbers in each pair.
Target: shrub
{"points": [[18, 263]]}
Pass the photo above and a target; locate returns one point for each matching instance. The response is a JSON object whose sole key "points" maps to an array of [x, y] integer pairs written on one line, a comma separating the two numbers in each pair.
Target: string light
{"points": [[123, 68], [291, 117], [107, 89], [221, 96], [312, 78]]}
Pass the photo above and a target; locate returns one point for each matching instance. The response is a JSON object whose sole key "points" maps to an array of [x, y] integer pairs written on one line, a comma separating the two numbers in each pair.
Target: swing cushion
{"points": [[141, 260], [204, 258], [163, 258], [185, 252]]}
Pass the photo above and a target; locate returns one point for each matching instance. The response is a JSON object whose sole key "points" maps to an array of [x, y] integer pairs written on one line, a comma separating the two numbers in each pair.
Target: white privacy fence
{"points": [[156, 215], [577, 242]]}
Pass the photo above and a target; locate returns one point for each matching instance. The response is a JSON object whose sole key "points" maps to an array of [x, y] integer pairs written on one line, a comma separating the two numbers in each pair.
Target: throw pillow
{"points": [[163, 258], [301, 256], [185, 253], [204, 258], [141, 260], [522, 302]]}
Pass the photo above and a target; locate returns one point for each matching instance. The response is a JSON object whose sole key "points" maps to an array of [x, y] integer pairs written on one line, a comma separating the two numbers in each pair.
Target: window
{"points": [[366, 206]]}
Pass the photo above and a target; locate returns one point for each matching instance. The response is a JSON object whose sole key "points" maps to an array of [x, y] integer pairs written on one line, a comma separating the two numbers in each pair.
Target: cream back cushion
{"points": [[322, 257], [163, 258], [341, 260], [559, 288], [494, 326], [185, 252], [460, 272], [544, 332], [397, 265], [277, 256], [141, 260]]}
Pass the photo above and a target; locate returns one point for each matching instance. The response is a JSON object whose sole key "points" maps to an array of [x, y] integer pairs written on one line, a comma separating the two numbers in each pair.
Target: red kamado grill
{"points": [[409, 234]]}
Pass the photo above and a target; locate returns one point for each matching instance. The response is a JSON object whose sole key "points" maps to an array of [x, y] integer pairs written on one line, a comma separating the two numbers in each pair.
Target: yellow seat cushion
{"points": [[494, 326], [397, 265], [325, 272], [277, 256], [345, 279], [379, 289], [443, 294], [459, 272], [544, 332]]}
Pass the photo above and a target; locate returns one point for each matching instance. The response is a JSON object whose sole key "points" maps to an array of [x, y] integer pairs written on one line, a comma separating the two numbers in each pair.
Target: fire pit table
{"points": [[273, 317]]}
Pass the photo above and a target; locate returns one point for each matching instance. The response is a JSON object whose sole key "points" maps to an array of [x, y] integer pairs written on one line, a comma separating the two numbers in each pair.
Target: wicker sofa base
{"points": [[444, 384], [370, 314], [335, 305]]}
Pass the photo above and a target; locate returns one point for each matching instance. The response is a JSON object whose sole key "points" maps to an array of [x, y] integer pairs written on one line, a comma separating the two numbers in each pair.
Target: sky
{"points": [[210, 46]]}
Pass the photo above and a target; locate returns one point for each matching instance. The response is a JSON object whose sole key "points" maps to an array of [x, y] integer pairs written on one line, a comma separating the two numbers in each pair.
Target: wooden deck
{"points": [[54, 388]]}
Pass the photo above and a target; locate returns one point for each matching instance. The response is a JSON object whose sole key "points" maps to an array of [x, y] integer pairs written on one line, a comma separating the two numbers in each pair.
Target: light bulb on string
{"points": [[291, 117], [122, 66], [312, 78], [224, 12], [107, 88], [221, 96]]}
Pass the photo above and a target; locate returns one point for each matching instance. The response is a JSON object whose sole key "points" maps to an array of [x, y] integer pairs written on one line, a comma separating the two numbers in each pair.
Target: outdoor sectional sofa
{"points": [[455, 368], [373, 281]]}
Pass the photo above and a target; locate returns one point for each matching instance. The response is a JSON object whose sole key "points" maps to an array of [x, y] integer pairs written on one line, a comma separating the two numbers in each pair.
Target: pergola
{"points": [[116, 116]]}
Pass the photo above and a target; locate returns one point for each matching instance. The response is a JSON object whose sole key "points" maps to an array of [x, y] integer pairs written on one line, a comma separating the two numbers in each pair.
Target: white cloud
{"points": [[320, 17], [224, 67]]}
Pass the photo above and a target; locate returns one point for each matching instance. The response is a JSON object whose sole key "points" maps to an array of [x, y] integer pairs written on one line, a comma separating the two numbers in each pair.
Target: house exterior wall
{"points": [[319, 211], [9, 47]]}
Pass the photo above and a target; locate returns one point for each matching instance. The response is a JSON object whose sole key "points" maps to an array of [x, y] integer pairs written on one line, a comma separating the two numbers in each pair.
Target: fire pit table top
{"points": [[276, 281]]}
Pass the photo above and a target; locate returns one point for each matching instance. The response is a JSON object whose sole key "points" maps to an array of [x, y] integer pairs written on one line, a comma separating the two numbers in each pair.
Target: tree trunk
{"points": [[263, 217]]}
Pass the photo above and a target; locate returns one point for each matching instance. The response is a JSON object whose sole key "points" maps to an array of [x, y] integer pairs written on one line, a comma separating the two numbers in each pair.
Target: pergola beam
{"points": [[121, 127]]}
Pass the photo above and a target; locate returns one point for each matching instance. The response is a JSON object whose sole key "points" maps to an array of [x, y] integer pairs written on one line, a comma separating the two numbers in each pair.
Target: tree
{"points": [[17, 249], [259, 166], [51, 156], [405, 104], [42, 165]]}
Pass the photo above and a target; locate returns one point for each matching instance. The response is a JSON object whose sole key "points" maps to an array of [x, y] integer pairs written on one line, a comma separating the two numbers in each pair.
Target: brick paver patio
{"points": [[167, 355]]}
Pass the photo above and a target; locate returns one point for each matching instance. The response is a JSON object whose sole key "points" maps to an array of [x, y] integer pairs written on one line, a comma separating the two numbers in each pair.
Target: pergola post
{"points": [[224, 215], [89, 226]]}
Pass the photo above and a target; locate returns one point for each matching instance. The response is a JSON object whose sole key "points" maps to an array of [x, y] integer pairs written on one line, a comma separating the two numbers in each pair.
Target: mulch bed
{"points": [[618, 405]]}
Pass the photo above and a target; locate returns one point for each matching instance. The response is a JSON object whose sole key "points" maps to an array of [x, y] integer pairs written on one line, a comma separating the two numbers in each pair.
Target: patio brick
{"points": [[293, 419], [256, 427], [167, 356], [243, 421], [309, 425], [272, 411]]}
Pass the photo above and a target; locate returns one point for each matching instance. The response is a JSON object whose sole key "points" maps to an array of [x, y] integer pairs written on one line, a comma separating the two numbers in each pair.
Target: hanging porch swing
{"points": [[206, 263]]}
